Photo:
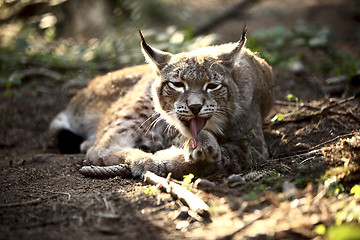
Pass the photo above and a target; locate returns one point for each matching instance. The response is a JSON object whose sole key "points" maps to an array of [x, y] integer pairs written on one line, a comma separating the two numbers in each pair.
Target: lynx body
{"points": [[198, 112]]}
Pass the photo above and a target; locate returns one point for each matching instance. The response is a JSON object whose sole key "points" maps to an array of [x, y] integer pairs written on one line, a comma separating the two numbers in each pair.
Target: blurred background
{"points": [[73, 39]]}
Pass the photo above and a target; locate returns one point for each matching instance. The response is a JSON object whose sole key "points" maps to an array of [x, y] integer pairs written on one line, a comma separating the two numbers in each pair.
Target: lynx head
{"points": [[195, 90]]}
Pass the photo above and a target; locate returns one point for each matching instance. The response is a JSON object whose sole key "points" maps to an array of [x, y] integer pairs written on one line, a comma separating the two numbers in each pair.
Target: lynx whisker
{"points": [[158, 119], [169, 129], [153, 124], [148, 119]]}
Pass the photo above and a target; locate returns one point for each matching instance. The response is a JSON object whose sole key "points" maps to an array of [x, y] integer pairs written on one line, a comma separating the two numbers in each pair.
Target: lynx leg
{"points": [[163, 162]]}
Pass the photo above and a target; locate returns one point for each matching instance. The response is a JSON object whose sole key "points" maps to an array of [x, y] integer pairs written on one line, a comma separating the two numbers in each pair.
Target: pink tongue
{"points": [[196, 124]]}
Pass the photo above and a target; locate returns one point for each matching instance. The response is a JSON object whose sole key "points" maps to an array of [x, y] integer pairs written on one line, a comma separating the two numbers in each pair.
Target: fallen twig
{"points": [[63, 193], [305, 105], [319, 110], [339, 103], [351, 114], [16, 204], [302, 156], [311, 153], [331, 140], [194, 203], [339, 122], [324, 190]]}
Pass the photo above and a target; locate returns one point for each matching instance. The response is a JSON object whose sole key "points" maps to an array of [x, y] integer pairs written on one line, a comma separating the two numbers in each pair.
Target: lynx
{"points": [[197, 112]]}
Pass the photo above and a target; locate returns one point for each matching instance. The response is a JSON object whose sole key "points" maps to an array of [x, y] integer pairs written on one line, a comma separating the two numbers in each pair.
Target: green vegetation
{"points": [[36, 44], [320, 229], [291, 98], [346, 225], [349, 213], [66, 57], [284, 48], [257, 190], [149, 190], [187, 181], [272, 181], [355, 190], [278, 117], [343, 232]]}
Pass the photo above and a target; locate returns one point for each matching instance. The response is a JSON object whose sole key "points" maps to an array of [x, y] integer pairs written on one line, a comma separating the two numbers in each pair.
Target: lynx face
{"points": [[194, 94], [195, 91]]}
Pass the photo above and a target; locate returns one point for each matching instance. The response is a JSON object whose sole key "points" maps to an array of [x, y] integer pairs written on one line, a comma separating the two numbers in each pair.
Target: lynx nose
{"points": [[195, 108]]}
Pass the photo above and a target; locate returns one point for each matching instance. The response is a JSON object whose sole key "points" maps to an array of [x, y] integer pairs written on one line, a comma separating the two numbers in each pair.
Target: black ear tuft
{"points": [[156, 58], [145, 46], [229, 57], [141, 36], [243, 35]]}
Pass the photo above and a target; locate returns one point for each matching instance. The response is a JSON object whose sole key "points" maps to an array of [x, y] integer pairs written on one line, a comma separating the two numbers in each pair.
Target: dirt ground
{"points": [[42, 195]]}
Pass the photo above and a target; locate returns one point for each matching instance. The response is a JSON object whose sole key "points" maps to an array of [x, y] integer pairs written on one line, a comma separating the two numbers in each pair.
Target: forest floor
{"points": [[314, 158]]}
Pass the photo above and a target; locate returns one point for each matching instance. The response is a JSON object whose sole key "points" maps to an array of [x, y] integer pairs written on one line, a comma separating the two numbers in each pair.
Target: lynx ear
{"points": [[156, 58], [229, 57]]}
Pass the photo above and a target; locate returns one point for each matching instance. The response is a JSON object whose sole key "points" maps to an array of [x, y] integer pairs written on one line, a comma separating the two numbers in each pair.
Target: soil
{"points": [[44, 197]]}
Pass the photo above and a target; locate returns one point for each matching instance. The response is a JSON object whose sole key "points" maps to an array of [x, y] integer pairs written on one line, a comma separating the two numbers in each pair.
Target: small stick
{"points": [[296, 156], [325, 189], [332, 140], [342, 101], [353, 115], [304, 105], [194, 203], [320, 111], [339, 103], [16, 204], [64, 193], [338, 122], [313, 151]]}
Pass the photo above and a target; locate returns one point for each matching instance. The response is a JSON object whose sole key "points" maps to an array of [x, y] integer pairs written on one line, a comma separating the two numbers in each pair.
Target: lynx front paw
{"points": [[207, 148], [103, 157]]}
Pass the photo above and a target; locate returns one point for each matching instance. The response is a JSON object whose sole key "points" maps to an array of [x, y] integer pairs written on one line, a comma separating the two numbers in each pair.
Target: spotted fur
{"points": [[198, 112]]}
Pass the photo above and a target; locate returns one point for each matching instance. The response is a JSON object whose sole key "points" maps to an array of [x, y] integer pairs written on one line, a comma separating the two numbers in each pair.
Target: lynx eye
{"points": [[177, 86], [213, 86]]}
